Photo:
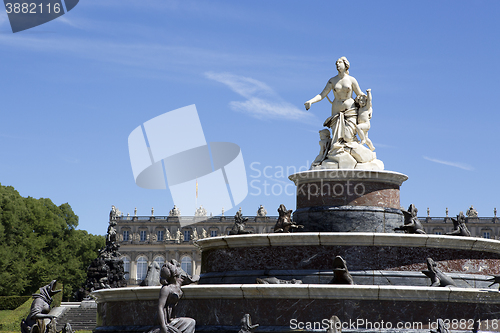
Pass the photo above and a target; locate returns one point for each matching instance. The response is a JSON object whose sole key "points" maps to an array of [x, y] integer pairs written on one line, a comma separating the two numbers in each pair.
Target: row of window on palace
{"points": [[485, 234], [160, 235], [142, 266]]}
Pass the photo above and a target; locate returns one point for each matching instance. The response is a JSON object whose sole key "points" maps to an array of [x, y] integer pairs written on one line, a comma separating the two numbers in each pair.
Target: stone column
{"points": [[194, 262], [133, 270]]}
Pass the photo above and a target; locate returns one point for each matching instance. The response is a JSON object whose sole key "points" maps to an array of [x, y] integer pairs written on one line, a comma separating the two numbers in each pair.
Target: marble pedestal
{"points": [[348, 200]]}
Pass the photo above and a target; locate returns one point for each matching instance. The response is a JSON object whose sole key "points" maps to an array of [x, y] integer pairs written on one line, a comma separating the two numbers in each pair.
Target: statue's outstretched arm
{"points": [[319, 97]]}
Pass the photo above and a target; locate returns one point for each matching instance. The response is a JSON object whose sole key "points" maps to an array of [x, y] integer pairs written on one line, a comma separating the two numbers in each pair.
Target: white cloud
{"points": [[262, 102], [453, 164], [67, 21]]}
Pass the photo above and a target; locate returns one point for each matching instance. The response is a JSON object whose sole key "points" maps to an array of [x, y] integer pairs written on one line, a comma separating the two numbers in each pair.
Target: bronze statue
{"points": [[246, 324], [441, 327], [172, 277], [438, 278], [412, 224], [152, 276], [39, 311], [285, 223], [494, 280], [460, 227], [341, 274], [239, 225], [335, 325], [274, 280]]}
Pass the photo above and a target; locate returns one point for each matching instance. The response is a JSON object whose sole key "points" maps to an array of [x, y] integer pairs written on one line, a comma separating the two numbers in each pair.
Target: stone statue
{"points": [[349, 117], [174, 212], [172, 277], [114, 213], [335, 325], [168, 236], [67, 328], [412, 224], [261, 212], [222, 214], [107, 270], [460, 227], [239, 225], [152, 276], [200, 212], [494, 280], [441, 327], [39, 311], [438, 278], [179, 237], [324, 143], [341, 274], [274, 280], [246, 324], [285, 223], [471, 212], [364, 115], [135, 211], [204, 233], [195, 236]]}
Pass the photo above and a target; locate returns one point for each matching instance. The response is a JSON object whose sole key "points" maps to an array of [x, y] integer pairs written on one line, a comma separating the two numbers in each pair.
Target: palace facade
{"points": [[144, 239]]}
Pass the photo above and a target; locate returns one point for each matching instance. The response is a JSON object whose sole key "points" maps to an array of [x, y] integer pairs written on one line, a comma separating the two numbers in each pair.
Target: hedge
{"points": [[12, 302]]}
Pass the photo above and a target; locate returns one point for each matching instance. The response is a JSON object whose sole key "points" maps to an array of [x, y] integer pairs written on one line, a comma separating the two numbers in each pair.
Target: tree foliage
{"points": [[39, 243]]}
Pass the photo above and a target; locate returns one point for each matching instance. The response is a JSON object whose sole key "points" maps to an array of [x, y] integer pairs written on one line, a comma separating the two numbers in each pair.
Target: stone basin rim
{"points": [[383, 176], [350, 238], [306, 291]]}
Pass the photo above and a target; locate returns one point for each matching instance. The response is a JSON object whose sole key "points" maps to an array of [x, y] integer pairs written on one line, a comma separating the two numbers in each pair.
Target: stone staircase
{"points": [[81, 315]]}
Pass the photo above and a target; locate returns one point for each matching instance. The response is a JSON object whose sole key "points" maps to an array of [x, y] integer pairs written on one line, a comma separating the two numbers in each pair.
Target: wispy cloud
{"points": [[382, 145], [453, 164], [70, 160], [262, 102], [67, 21]]}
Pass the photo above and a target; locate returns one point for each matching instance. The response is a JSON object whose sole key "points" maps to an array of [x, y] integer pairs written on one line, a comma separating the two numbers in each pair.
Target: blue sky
{"points": [[73, 89]]}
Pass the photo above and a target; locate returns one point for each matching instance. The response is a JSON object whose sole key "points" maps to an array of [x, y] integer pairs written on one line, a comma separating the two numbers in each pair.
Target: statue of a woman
{"points": [[172, 277], [344, 112]]}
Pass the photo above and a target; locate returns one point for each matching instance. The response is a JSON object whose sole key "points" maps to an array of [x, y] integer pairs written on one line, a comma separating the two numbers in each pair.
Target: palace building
{"points": [[144, 239]]}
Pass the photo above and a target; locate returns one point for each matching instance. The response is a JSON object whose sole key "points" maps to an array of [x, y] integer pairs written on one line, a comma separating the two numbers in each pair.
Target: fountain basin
{"points": [[277, 307]]}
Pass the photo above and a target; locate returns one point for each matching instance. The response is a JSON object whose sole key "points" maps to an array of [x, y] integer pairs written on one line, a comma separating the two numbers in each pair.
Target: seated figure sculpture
{"points": [[172, 277], [285, 223], [40, 308], [460, 227], [239, 225], [324, 144], [412, 224]]}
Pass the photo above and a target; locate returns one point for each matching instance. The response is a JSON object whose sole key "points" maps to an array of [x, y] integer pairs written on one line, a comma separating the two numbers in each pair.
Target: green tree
{"points": [[40, 243]]}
